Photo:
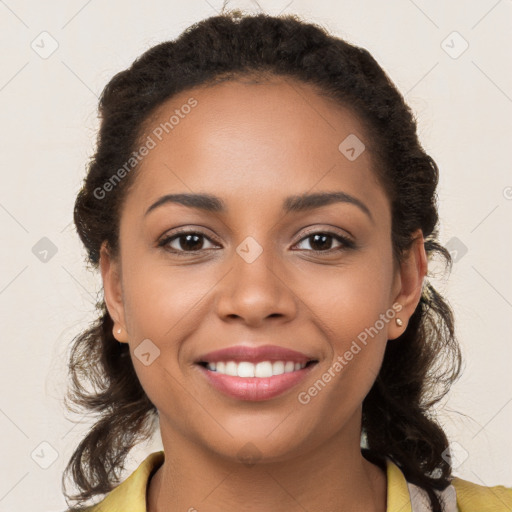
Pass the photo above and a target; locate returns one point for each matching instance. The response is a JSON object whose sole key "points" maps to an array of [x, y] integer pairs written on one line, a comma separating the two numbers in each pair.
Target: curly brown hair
{"points": [[418, 367]]}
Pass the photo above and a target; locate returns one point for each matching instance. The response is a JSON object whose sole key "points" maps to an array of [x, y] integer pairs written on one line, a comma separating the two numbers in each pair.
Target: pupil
{"points": [[323, 237], [190, 247]]}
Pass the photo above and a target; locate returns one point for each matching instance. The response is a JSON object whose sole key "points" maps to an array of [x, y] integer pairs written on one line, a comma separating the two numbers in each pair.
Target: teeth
{"points": [[263, 369]]}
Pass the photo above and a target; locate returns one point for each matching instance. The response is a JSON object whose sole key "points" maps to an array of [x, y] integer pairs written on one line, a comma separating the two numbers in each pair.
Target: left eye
{"points": [[322, 238], [191, 241]]}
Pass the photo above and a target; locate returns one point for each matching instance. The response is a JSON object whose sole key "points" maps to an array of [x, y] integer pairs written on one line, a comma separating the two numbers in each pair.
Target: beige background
{"points": [[463, 101]]}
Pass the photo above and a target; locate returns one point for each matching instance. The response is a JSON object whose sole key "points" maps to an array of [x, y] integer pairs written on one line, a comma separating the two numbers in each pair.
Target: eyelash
{"points": [[346, 242]]}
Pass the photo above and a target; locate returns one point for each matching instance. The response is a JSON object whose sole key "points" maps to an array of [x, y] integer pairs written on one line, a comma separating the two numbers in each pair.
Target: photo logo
{"points": [[149, 144], [304, 397]]}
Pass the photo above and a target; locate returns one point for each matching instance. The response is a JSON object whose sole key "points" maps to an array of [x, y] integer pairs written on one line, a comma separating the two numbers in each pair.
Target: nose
{"points": [[255, 290]]}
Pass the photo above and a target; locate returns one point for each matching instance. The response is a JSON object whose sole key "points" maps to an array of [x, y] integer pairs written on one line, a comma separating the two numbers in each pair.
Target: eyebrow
{"points": [[298, 203]]}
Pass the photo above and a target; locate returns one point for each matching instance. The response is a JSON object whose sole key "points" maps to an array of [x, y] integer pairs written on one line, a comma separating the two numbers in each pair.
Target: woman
{"points": [[262, 214]]}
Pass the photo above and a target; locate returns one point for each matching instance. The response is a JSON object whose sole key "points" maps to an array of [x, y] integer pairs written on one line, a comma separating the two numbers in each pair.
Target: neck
{"points": [[194, 479]]}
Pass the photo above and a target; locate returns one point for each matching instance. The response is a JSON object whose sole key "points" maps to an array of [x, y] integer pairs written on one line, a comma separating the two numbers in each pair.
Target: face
{"points": [[259, 271]]}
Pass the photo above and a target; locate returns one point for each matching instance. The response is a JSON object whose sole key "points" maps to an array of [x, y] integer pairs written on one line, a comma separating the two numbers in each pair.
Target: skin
{"points": [[253, 145]]}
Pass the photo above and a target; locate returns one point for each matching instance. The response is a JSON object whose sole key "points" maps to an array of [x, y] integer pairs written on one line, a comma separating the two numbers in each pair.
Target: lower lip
{"points": [[255, 388]]}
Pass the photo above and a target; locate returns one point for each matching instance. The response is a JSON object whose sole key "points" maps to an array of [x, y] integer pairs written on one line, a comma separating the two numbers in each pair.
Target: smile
{"points": [[262, 369], [255, 382]]}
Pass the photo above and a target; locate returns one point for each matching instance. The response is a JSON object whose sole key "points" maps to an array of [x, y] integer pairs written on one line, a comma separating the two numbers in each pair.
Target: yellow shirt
{"points": [[460, 496]]}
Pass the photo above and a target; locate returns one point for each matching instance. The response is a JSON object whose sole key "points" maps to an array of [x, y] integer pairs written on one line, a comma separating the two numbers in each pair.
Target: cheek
{"points": [[350, 299], [162, 304], [352, 308], [160, 299]]}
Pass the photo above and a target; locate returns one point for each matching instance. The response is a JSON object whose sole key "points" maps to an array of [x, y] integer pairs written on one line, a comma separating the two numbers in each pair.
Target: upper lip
{"points": [[255, 354]]}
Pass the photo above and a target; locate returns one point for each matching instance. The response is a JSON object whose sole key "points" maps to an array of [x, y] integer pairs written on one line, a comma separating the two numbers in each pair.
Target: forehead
{"points": [[246, 140]]}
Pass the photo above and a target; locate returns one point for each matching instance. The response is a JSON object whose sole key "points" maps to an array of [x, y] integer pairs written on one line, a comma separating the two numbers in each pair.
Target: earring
{"points": [[399, 322], [118, 331]]}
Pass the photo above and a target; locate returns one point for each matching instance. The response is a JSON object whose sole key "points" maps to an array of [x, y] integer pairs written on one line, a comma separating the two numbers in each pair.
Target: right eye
{"points": [[187, 242]]}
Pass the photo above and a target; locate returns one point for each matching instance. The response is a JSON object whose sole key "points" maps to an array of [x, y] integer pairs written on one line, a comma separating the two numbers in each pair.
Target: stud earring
{"points": [[118, 331], [399, 322]]}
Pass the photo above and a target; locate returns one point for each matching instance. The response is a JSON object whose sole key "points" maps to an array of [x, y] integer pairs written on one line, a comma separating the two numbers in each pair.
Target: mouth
{"points": [[255, 373], [260, 370]]}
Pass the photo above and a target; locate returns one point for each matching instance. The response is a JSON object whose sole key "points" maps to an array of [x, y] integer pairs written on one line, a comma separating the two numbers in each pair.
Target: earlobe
{"points": [[412, 272], [113, 293]]}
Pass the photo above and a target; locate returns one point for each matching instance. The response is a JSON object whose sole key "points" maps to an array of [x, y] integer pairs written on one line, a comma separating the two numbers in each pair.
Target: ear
{"points": [[111, 275], [408, 283]]}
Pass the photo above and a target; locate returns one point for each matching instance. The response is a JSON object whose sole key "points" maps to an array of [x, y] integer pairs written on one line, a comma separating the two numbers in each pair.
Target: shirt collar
{"points": [[130, 495]]}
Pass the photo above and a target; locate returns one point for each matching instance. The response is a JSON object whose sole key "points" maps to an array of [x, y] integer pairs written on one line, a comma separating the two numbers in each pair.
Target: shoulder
{"points": [[472, 497], [130, 495], [461, 496]]}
